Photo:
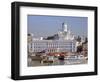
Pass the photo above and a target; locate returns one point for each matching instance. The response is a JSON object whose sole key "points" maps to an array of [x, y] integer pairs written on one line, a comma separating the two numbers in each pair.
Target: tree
{"points": [[50, 38], [86, 40], [79, 39], [79, 49]]}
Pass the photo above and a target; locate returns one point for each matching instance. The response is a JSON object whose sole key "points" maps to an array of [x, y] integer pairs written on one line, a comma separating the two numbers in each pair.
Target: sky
{"points": [[43, 26]]}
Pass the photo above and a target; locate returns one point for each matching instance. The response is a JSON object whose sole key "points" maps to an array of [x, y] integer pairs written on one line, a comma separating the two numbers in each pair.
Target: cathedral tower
{"points": [[64, 27]]}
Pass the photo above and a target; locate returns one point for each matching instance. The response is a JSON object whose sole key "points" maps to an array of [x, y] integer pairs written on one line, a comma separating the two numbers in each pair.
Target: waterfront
{"points": [[57, 62], [60, 48]]}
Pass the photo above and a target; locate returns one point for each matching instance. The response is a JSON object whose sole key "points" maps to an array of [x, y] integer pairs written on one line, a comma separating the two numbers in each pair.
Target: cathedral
{"points": [[65, 33]]}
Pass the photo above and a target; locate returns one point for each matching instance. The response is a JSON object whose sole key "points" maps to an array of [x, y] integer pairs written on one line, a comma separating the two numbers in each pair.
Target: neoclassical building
{"points": [[65, 33], [64, 43]]}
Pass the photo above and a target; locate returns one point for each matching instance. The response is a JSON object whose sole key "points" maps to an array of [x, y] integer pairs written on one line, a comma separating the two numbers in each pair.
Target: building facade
{"points": [[50, 46]]}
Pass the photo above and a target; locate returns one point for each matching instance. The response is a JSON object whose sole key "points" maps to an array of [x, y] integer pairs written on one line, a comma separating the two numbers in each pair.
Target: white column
{"points": [[72, 47]]}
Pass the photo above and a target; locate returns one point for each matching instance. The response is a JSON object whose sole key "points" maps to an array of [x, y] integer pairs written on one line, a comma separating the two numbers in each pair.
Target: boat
{"points": [[61, 57], [74, 57], [49, 59]]}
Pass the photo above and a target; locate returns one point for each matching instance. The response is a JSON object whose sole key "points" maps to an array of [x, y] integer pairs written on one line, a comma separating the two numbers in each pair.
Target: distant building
{"points": [[63, 41], [30, 42], [85, 48]]}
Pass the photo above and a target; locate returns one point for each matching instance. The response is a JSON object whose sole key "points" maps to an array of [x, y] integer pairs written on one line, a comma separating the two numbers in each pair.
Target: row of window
{"points": [[53, 47], [56, 46], [59, 46], [60, 43], [53, 50], [52, 43]]}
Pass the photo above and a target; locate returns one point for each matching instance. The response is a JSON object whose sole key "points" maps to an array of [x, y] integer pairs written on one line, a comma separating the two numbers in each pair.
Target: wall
{"points": [[5, 41]]}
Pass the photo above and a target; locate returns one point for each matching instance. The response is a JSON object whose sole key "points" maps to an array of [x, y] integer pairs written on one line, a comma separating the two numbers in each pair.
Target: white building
{"points": [[65, 33], [65, 43], [53, 46]]}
